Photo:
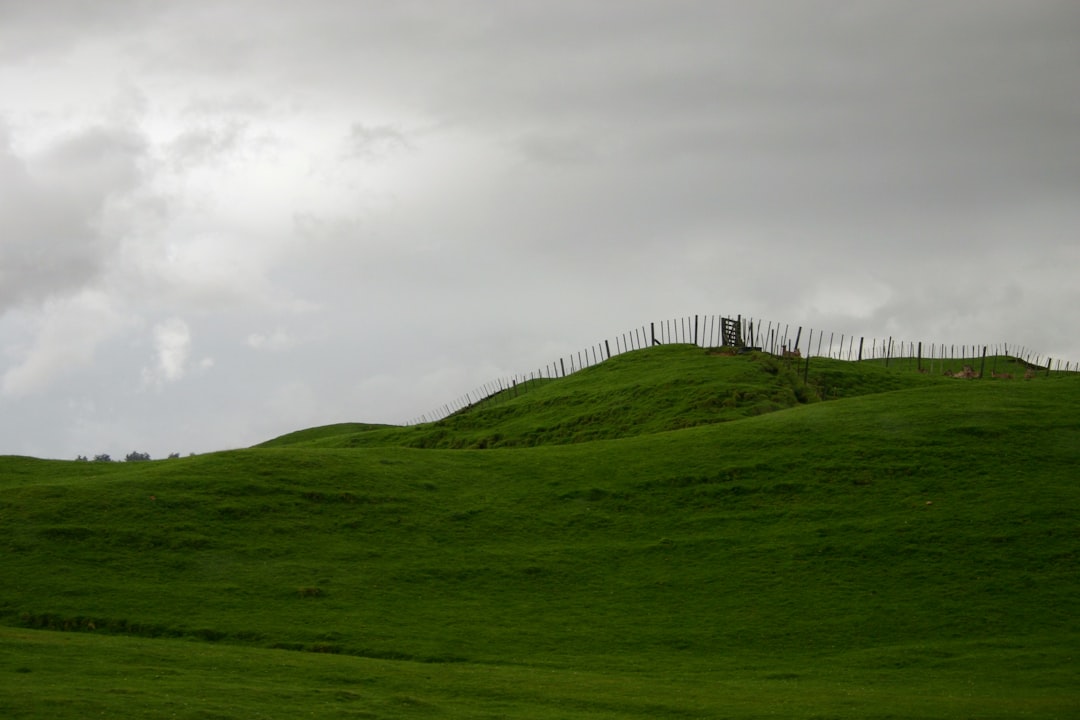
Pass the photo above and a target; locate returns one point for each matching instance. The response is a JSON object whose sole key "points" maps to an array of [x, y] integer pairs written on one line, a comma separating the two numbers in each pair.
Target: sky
{"points": [[221, 222]]}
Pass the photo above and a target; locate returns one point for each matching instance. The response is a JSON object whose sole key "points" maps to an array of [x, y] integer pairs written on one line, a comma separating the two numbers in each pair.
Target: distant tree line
{"points": [[130, 457]]}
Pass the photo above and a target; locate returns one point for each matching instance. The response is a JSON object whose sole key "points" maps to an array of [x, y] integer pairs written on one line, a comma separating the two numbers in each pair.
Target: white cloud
{"points": [[66, 335], [279, 339], [172, 345]]}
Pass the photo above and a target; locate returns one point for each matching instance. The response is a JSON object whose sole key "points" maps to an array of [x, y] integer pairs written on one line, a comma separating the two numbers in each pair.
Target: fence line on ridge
{"points": [[783, 340]]}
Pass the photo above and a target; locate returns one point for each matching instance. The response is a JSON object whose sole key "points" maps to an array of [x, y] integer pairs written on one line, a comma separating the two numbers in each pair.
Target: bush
{"points": [[104, 457], [137, 457]]}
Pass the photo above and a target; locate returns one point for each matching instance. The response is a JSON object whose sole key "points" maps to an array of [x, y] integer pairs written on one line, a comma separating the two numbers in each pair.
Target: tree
{"points": [[104, 457], [136, 457]]}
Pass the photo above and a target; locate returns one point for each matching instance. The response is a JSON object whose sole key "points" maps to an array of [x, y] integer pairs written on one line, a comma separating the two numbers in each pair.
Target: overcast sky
{"points": [[223, 221]]}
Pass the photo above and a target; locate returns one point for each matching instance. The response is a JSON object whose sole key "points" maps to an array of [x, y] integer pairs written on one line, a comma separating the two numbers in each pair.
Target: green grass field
{"points": [[671, 533]]}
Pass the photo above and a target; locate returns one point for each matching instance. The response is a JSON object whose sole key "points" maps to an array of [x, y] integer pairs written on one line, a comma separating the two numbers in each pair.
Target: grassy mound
{"points": [[668, 387]]}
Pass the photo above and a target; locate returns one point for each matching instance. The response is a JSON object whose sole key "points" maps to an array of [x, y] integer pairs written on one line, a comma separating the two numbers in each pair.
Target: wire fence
{"points": [[745, 334]]}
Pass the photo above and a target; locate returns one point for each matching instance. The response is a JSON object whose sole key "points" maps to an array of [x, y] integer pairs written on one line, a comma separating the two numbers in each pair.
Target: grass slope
{"points": [[668, 387], [906, 552]]}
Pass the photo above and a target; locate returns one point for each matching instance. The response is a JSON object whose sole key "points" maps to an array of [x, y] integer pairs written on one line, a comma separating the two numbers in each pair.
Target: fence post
{"points": [[652, 331], [919, 364], [563, 365], [860, 348], [798, 335], [982, 365]]}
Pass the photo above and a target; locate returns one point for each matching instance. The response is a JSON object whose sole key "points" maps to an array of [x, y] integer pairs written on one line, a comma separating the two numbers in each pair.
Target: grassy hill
{"points": [[671, 533]]}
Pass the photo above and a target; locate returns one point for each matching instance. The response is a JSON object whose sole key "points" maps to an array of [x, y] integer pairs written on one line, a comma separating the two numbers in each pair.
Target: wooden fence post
{"points": [[919, 363], [982, 365], [652, 329], [860, 347]]}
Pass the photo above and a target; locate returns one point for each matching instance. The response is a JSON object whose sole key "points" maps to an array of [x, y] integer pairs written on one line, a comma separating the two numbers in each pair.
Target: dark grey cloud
{"points": [[376, 142], [205, 143], [30, 31], [54, 207]]}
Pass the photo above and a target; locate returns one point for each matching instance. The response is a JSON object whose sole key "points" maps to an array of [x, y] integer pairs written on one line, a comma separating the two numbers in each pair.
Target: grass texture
{"points": [[672, 533]]}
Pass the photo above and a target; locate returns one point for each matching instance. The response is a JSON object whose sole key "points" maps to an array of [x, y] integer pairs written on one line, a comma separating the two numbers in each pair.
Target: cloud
{"points": [[205, 145], [278, 340], [558, 148], [61, 224], [33, 30], [66, 335], [172, 345], [376, 142]]}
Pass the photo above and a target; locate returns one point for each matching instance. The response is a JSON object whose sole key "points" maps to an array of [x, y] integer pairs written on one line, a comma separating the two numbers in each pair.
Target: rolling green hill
{"points": [[671, 533]]}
